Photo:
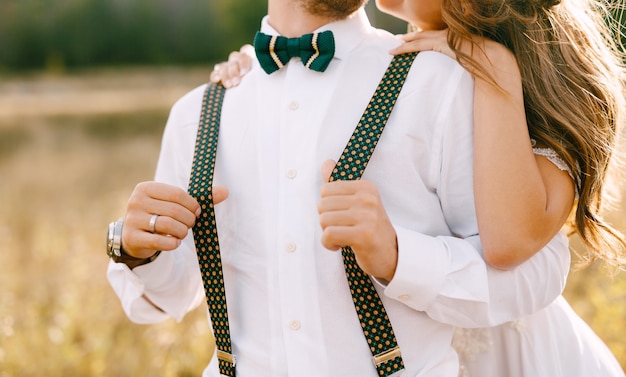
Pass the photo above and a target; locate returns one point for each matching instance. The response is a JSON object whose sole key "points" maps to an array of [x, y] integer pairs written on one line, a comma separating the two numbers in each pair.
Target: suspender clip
{"points": [[383, 357], [227, 357]]}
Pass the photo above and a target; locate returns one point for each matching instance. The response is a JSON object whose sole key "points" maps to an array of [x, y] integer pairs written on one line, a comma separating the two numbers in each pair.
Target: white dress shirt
{"points": [[289, 304]]}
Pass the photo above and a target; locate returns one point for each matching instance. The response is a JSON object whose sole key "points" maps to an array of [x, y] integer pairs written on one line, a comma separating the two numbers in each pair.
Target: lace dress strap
{"points": [[553, 157]]}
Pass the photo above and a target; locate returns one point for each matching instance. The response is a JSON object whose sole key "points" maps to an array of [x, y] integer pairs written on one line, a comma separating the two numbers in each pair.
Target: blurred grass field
{"points": [[71, 150]]}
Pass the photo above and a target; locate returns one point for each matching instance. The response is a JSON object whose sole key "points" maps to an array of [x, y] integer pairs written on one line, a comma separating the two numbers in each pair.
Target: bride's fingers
{"points": [[216, 73], [247, 49], [238, 65], [231, 75], [229, 71], [432, 40], [246, 53], [426, 34], [415, 46], [409, 36], [405, 48]]}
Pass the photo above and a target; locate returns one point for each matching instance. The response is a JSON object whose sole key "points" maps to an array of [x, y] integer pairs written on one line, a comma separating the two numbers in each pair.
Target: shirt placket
{"points": [[296, 222]]}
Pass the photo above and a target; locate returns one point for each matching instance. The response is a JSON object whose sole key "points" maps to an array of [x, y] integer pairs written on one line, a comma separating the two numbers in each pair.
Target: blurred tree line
{"points": [[59, 34]]}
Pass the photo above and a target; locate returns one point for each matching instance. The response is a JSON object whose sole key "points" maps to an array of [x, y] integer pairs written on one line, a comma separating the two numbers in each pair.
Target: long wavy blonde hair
{"points": [[573, 76]]}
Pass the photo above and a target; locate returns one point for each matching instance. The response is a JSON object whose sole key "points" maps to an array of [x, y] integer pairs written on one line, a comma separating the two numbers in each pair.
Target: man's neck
{"points": [[291, 20]]}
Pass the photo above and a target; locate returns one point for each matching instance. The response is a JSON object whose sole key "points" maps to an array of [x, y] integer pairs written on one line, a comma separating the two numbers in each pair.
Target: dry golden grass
{"points": [[64, 174], [63, 179]]}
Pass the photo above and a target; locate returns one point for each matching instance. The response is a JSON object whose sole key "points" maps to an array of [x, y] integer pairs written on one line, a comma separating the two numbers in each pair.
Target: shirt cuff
{"points": [[130, 286], [156, 273], [420, 272]]}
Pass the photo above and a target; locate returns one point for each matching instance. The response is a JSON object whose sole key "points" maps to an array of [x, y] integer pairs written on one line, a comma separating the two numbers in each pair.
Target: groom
{"points": [[410, 220]]}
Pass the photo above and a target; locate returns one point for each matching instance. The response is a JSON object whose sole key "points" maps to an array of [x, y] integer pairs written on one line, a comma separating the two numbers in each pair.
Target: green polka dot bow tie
{"points": [[316, 50]]}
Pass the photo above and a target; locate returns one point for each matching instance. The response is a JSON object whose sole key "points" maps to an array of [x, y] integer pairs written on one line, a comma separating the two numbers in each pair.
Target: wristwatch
{"points": [[115, 251], [114, 239]]}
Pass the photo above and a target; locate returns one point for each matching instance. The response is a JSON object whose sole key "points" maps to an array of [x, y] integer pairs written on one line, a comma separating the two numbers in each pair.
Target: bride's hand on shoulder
{"points": [[229, 73], [483, 51], [428, 40]]}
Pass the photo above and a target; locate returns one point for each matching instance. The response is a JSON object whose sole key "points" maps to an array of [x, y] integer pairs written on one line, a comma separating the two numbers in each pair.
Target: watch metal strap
{"points": [[374, 321]]}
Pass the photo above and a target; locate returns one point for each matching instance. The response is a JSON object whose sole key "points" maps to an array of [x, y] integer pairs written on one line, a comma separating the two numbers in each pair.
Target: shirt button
{"points": [[290, 247], [404, 297], [292, 173], [294, 325], [294, 105]]}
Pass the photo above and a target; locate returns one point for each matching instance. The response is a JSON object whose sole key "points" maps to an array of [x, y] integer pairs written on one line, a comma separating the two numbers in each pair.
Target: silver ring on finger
{"points": [[152, 224]]}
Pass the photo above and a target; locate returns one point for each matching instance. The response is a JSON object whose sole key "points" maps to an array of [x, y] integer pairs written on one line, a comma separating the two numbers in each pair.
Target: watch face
{"points": [[110, 239], [116, 248]]}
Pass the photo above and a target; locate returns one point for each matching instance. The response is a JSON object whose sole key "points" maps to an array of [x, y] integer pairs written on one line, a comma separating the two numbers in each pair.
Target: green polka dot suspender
{"points": [[369, 307], [205, 229], [370, 310]]}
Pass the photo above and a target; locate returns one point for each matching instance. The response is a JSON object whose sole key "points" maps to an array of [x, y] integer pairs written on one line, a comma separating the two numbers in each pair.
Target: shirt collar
{"points": [[348, 32]]}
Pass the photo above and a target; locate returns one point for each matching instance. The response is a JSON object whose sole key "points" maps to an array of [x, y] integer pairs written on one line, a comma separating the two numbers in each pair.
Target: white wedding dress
{"points": [[554, 342]]}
